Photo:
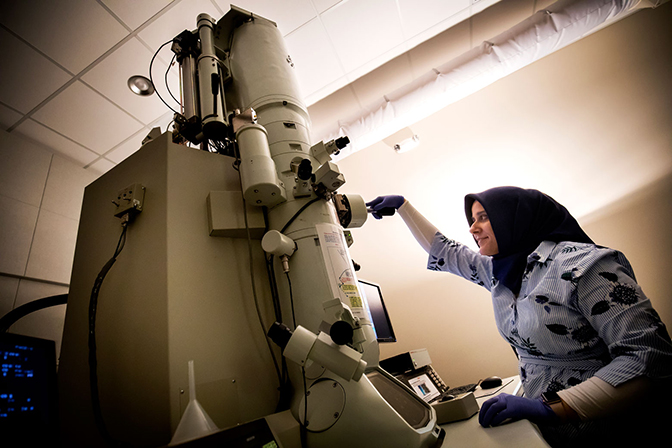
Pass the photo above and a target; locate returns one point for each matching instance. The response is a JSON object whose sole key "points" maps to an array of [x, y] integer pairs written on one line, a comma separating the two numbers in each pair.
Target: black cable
{"points": [[151, 79], [302, 426], [275, 296], [165, 78], [296, 215], [254, 289], [93, 361], [291, 298], [17, 313]]}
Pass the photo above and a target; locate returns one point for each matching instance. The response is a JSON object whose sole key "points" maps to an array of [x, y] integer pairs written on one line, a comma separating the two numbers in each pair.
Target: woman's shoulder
{"points": [[575, 259]]}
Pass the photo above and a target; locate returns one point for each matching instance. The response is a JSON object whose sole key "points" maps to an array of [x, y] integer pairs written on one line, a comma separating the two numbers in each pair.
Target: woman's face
{"points": [[481, 229]]}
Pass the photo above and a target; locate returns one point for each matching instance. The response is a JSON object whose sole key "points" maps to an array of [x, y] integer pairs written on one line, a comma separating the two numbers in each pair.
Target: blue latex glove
{"points": [[385, 205], [505, 406]]}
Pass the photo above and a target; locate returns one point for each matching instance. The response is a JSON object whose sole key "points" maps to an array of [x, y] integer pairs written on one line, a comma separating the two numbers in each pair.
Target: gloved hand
{"points": [[385, 205], [505, 406]]}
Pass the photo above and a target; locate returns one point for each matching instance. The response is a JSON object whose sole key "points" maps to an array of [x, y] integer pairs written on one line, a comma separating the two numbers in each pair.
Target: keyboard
{"points": [[459, 390]]}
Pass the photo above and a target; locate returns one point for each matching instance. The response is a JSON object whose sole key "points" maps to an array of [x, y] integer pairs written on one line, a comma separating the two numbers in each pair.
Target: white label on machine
{"points": [[339, 268]]}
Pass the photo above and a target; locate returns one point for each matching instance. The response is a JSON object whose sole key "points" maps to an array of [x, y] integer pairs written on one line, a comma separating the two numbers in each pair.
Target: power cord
{"points": [[151, 79], [254, 288], [93, 361]]}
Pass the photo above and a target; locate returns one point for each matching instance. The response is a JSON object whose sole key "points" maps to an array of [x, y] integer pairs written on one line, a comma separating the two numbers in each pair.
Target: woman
{"points": [[589, 343]]}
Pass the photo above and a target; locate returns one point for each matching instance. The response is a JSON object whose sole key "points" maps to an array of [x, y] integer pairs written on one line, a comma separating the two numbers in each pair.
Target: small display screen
{"points": [[380, 319], [27, 388]]}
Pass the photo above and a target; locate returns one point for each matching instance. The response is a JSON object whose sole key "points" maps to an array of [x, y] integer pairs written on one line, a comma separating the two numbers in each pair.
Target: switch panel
{"points": [[130, 199]]}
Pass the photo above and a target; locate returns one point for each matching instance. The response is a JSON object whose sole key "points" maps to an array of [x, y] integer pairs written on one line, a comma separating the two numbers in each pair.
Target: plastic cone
{"points": [[195, 422]]}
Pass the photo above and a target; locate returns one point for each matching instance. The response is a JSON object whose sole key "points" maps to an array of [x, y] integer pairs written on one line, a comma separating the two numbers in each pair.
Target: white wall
{"points": [[601, 105], [40, 201]]}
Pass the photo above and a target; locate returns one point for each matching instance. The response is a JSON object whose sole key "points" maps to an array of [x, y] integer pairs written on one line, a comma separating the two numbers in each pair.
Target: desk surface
{"points": [[470, 434]]}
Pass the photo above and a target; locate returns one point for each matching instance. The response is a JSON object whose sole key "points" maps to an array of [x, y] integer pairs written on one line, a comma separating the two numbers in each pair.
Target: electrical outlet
{"points": [[130, 200]]}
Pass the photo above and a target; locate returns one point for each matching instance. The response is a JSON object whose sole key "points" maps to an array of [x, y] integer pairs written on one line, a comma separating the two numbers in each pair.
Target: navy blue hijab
{"points": [[521, 219]]}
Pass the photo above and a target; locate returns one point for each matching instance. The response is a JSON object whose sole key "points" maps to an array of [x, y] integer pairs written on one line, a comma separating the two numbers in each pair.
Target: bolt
{"points": [[182, 391], [336, 414]]}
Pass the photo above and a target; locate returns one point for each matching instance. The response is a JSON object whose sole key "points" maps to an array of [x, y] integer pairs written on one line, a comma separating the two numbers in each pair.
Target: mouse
{"points": [[489, 383], [446, 398]]}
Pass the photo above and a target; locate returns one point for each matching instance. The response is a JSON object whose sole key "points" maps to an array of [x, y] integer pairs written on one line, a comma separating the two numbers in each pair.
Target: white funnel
{"points": [[195, 421]]}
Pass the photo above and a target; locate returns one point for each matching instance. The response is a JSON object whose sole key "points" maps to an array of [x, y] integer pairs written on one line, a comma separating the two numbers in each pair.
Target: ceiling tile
{"points": [[84, 116], [323, 5], [181, 16], [498, 18], [162, 122], [127, 147], [37, 132], [134, 13], [315, 62], [8, 117], [89, 33], [418, 15], [363, 30], [429, 33], [110, 78], [28, 78], [287, 14]]}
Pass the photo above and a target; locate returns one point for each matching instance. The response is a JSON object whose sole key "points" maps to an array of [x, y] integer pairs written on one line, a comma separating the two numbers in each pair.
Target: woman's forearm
{"points": [[595, 398], [420, 227]]}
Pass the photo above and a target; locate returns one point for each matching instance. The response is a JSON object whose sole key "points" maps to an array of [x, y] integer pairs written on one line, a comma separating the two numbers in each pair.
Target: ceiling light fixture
{"points": [[140, 85]]}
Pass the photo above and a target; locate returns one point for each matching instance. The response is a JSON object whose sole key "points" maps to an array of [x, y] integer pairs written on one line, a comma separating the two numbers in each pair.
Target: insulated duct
{"points": [[545, 32]]}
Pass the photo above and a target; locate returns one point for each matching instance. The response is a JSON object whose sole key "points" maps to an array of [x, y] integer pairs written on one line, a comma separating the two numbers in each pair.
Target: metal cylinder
{"points": [[211, 95], [189, 96], [257, 170]]}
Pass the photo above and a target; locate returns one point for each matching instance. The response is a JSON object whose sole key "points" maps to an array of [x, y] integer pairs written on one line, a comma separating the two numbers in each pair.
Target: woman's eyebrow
{"points": [[481, 213]]}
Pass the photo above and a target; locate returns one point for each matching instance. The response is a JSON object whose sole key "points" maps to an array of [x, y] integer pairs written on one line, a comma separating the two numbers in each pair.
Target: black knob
{"points": [[280, 334], [305, 170], [341, 333], [342, 142]]}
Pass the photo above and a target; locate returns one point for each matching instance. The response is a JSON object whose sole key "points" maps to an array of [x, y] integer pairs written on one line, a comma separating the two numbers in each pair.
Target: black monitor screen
{"points": [[379, 317], [28, 390]]}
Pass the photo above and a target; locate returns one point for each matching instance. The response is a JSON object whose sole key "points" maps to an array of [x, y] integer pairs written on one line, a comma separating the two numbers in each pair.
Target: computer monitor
{"points": [[28, 390], [380, 319]]}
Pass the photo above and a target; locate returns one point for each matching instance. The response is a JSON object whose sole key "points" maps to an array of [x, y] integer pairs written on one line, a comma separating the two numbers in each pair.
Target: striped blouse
{"points": [[579, 313]]}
